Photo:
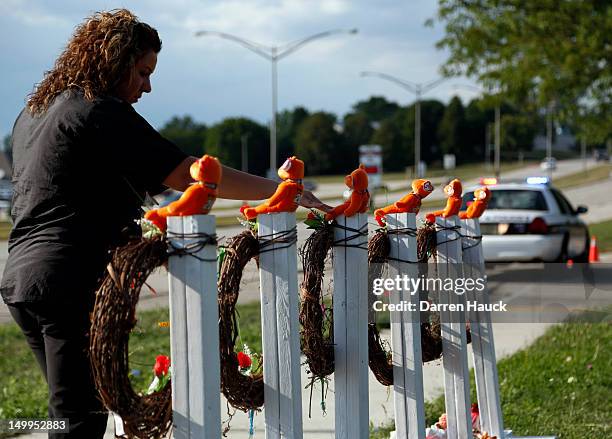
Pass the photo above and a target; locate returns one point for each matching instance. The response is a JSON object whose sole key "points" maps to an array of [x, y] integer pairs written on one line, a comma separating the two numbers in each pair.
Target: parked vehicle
{"points": [[531, 221], [601, 155], [549, 163]]}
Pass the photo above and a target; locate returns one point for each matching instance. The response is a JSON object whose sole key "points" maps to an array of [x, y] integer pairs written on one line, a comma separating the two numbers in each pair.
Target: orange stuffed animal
{"points": [[198, 198], [453, 190], [288, 193], [359, 200], [410, 203], [478, 206]]}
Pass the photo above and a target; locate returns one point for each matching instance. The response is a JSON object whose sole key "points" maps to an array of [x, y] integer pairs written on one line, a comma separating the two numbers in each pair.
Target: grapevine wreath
{"points": [[114, 317], [317, 322]]}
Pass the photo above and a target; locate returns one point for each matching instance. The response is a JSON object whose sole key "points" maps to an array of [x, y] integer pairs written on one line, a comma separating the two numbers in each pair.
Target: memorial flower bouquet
{"points": [[438, 430]]}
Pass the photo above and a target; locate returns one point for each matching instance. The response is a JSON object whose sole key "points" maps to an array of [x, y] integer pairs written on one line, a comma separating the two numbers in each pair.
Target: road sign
{"points": [[371, 157]]}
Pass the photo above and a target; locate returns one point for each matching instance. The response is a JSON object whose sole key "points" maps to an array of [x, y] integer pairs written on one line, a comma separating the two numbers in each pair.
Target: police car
{"points": [[530, 221]]}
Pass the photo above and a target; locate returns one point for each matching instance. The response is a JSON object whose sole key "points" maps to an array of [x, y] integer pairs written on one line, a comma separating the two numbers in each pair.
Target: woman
{"points": [[84, 161]]}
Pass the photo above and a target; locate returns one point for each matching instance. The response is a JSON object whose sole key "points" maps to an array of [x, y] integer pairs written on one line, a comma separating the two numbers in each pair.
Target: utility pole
{"points": [[418, 90], [245, 152], [549, 135], [497, 141]]}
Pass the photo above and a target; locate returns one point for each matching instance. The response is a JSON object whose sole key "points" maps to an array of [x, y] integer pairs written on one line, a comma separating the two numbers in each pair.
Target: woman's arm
{"points": [[237, 185]]}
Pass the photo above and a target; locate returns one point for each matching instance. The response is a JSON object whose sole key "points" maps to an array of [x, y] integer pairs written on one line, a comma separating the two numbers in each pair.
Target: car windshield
{"points": [[511, 199]]}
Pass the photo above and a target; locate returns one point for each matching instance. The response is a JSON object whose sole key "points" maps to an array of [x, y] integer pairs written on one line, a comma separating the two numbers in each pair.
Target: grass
{"points": [[603, 232], [559, 385], [5, 229], [581, 178], [23, 391]]}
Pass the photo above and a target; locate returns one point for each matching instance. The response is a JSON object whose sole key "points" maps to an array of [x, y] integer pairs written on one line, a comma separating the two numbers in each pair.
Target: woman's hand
{"points": [[309, 201]]}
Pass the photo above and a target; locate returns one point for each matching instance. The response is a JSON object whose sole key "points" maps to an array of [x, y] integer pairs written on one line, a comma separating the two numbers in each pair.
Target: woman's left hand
{"points": [[309, 201]]}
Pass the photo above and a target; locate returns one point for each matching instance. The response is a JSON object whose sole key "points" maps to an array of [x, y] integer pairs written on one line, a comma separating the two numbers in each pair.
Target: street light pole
{"points": [[417, 133], [497, 141], [418, 90], [273, 54], [272, 169], [549, 136]]}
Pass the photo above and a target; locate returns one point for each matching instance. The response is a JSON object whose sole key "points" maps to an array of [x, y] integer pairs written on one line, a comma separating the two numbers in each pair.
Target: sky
{"points": [[211, 78]]}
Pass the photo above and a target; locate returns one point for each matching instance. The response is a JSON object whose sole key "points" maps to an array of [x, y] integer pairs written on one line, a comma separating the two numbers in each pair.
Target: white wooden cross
{"points": [[194, 331], [483, 346], [406, 332], [454, 342], [280, 331], [351, 327]]}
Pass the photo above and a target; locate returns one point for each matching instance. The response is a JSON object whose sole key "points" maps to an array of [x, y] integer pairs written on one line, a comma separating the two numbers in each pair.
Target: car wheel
{"points": [[584, 256]]}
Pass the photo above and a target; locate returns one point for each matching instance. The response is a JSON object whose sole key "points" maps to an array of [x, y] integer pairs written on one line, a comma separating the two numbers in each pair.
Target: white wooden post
{"points": [[406, 332], [280, 331], [351, 328], [194, 331], [454, 342], [483, 347]]}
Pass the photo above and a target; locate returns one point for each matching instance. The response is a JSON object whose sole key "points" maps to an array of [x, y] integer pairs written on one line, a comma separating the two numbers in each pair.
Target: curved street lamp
{"points": [[418, 90], [273, 54]]}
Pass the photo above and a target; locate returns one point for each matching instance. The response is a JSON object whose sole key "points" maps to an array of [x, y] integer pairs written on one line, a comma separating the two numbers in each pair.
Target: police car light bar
{"points": [[537, 180], [488, 181]]}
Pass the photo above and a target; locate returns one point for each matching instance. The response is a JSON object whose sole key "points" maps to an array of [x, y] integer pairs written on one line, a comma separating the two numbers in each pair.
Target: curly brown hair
{"points": [[102, 50]]}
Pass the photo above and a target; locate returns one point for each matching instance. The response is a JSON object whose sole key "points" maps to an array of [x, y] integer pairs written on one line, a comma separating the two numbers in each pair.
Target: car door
{"points": [[576, 229]]}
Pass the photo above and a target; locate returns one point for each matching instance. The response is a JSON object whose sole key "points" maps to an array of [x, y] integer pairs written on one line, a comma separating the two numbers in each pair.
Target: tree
{"points": [[432, 112], [357, 131], [451, 131], [185, 133], [477, 136], [224, 140], [397, 149], [536, 52], [518, 131], [396, 135], [287, 123], [376, 109], [317, 143]]}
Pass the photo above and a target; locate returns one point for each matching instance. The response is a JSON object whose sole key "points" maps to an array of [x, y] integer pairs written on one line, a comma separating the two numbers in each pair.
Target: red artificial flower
{"points": [[475, 416], [162, 363], [244, 361], [311, 216]]}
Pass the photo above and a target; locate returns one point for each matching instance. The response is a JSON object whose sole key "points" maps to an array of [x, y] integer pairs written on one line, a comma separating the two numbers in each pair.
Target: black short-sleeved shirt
{"points": [[80, 173]]}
